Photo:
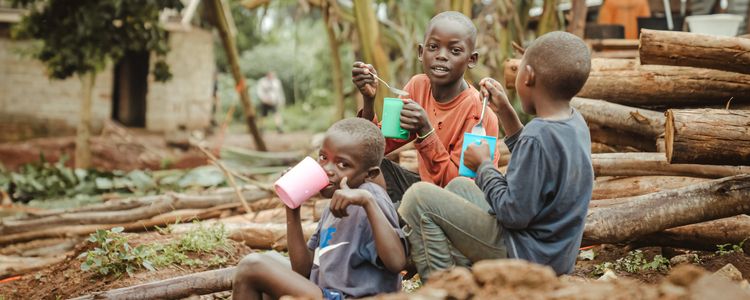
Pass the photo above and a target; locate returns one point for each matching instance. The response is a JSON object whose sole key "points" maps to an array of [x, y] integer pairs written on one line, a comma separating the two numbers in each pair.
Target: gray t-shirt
{"points": [[542, 200], [345, 257]]}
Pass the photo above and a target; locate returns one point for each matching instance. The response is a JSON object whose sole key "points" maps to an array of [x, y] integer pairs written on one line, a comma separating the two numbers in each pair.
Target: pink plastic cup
{"points": [[302, 182]]}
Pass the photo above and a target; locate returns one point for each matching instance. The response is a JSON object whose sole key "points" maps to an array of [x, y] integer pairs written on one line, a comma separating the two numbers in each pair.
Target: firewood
{"points": [[702, 236], [655, 212], [619, 187], [708, 136], [622, 140], [173, 288], [695, 50], [627, 82], [643, 164], [149, 206], [640, 121]]}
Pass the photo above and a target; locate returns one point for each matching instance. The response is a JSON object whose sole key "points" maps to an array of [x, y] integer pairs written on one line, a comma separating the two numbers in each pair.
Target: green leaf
{"points": [[147, 264], [117, 229]]}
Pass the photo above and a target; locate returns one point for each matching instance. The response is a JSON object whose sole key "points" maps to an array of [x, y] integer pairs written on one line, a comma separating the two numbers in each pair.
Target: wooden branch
{"points": [[621, 139], [708, 136], [643, 164], [577, 22], [12, 265], [619, 187], [676, 48], [644, 122], [625, 81], [702, 236], [228, 174], [152, 206], [173, 288], [655, 212]]}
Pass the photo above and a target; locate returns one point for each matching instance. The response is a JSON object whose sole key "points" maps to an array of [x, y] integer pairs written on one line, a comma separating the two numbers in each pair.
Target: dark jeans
{"points": [[397, 180]]}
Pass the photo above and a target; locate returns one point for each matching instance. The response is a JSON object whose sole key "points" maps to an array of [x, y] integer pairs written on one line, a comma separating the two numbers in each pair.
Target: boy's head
{"points": [[448, 48], [352, 148], [555, 66]]}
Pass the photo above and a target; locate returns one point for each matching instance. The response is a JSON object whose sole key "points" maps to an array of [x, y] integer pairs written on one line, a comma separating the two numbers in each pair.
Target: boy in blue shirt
{"points": [[358, 249], [538, 208]]}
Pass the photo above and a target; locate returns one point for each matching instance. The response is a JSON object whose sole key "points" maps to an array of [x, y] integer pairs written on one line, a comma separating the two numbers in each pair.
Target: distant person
{"points": [[625, 13], [271, 94]]}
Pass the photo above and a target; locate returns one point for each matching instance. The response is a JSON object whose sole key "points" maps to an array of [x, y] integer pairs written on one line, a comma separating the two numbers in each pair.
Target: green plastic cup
{"points": [[391, 123]]}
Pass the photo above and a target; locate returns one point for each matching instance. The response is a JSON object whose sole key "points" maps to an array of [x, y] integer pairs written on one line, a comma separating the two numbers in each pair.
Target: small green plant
{"points": [[634, 262], [726, 249], [113, 254], [411, 285]]}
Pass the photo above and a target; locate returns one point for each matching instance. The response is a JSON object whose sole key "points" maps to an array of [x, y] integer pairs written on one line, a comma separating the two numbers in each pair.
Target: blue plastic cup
{"points": [[475, 139]]}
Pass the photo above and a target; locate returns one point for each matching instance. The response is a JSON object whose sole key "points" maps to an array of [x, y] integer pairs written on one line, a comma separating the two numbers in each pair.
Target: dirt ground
{"points": [[66, 279]]}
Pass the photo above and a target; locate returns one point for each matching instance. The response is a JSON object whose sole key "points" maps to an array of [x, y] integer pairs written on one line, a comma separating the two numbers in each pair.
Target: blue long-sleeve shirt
{"points": [[543, 199]]}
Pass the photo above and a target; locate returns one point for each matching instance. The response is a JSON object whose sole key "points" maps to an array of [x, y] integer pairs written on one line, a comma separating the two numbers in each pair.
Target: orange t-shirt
{"points": [[625, 13], [440, 153]]}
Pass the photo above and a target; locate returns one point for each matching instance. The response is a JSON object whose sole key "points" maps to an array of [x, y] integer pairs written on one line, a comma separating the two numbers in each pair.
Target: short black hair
{"points": [[561, 63], [366, 134], [458, 18]]}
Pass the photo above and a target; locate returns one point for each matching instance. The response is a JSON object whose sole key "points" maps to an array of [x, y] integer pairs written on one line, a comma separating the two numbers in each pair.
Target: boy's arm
{"points": [[367, 85], [517, 197], [505, 112], [388, 244], [300, 256]]}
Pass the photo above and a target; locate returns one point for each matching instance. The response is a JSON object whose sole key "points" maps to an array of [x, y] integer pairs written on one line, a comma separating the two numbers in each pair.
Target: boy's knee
{"points": [[249, 266], [415, 196], [459, 182]]}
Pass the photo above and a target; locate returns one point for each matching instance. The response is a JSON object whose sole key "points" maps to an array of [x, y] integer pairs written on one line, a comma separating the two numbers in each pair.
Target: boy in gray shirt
{"points": [[537, 210], [358, 249]]}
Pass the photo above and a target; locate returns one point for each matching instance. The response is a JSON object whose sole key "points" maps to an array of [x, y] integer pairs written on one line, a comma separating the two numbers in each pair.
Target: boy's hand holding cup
{"points": [[475, 154]]}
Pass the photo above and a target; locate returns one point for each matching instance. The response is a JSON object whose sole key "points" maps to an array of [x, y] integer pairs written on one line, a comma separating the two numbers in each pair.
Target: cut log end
{"points": [[669, 135]]}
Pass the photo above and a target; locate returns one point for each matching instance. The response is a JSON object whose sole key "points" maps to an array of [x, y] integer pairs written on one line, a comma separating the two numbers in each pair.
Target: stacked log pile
{"points": [[678, 121]]}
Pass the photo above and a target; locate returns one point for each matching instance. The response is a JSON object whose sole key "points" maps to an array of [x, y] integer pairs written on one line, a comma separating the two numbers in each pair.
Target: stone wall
{"points": [[32, 104], [186, 99]]}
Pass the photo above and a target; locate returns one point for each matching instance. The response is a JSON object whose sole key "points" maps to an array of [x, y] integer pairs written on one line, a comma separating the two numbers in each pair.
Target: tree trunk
{"points": [[338, 77], [643, 164], [675, 48], [708, 136], [156, 206], [578, 14], [229, 46], [371, 47], [702, 236], [624, 140], [640, 121], [83, 132], [626, 82], [655, 212], [550, 18], [173, 288], [620, 187]]}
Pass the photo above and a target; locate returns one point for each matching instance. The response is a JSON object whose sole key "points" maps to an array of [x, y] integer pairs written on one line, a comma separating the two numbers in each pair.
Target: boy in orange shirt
{"points": [[440, 108]]}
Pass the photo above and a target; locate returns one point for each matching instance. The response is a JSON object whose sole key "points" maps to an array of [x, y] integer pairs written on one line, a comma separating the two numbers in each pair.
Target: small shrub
{"points": [[113, 254], [726, 249], [634, 262]]}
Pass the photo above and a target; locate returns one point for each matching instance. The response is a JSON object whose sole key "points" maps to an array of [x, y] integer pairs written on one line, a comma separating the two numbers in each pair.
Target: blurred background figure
{"points": [[272, 99], [625, 13]]}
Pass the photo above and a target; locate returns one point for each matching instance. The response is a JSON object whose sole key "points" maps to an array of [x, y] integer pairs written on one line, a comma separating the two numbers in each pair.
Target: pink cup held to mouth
{"points": [[302, 182]]}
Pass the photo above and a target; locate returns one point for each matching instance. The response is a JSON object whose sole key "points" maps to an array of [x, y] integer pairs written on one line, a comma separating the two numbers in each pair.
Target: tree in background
{"points": [[81, 37]]}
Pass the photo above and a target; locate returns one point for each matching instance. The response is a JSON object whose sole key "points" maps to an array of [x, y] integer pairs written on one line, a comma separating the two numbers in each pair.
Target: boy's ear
{"points": [[530, 79], [420, 50], [473, 59], [373, 172]]}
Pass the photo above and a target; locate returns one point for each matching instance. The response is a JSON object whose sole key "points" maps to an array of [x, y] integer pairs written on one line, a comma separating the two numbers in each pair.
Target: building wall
{"points": [[32, 104], [186, 99]]}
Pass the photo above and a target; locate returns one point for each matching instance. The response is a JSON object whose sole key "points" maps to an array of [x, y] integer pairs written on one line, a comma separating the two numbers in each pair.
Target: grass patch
{"points": [[633, 262], [113, 254], [726, 249]]}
